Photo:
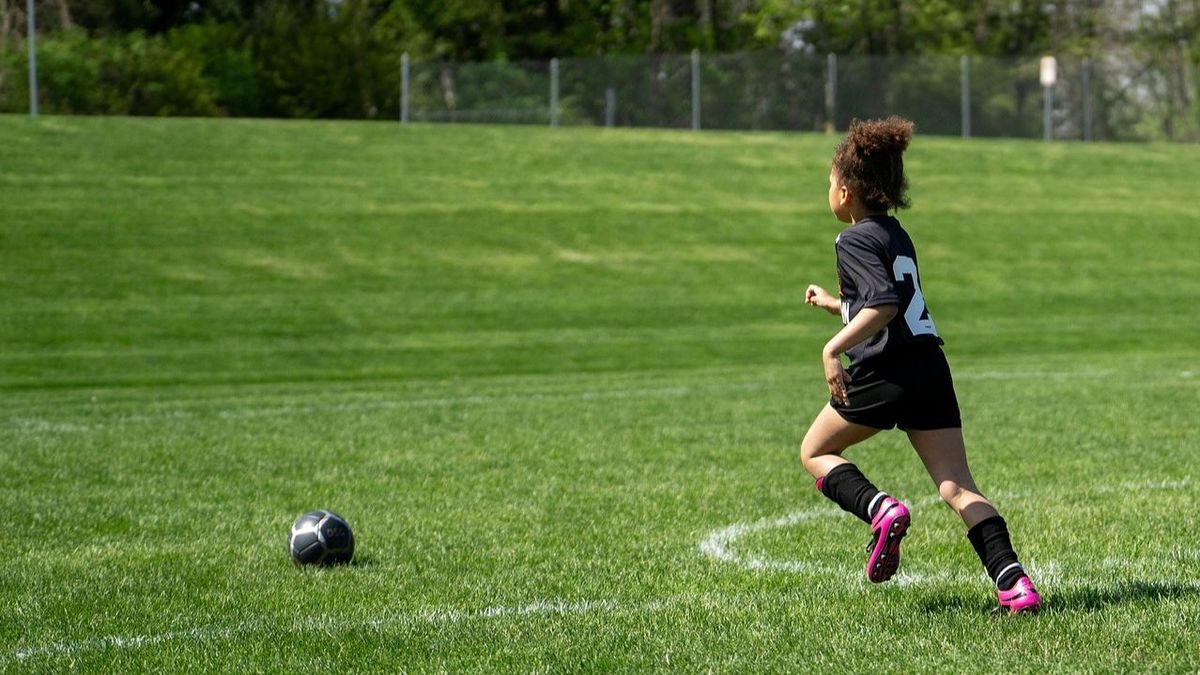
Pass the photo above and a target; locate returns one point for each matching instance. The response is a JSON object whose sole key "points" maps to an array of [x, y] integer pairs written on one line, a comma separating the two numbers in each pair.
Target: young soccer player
{"points": [[898, 375]]}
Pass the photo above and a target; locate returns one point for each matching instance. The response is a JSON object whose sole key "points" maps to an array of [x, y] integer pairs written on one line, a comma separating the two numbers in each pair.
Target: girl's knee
{"points": [[959, 495], [951, 493], [806, 454], [811, 449]]}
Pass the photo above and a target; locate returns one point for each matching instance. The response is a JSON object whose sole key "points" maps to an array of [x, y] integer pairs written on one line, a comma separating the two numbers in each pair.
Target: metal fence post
{"points": [[404, 88], [966, 96], [31, 28], [1188, 91], [553, 92], [695, 90], [1048, 105], [1087, 99], [610, 107], [831, 94]]}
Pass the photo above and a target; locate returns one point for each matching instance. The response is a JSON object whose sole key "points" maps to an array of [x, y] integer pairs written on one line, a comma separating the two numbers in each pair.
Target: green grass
{"points": [[536, 369]]}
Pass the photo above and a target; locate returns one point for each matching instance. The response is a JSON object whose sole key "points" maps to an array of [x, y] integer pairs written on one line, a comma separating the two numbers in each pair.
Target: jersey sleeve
{"points": [[864, 262]]}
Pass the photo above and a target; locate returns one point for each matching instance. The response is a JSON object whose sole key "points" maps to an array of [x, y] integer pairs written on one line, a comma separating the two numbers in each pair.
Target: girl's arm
{"points": [[866, 323], [819, 297]]}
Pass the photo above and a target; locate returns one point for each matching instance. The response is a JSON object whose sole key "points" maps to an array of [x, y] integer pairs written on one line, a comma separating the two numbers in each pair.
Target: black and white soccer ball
{"points": [[321, 538]]}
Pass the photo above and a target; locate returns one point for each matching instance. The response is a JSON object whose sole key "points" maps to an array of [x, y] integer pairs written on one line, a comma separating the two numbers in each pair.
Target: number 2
{"points": [[907, 267]]}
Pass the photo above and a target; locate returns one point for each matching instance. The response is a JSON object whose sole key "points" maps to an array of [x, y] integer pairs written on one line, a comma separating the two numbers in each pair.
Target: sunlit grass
{"points": [[536, 369]]}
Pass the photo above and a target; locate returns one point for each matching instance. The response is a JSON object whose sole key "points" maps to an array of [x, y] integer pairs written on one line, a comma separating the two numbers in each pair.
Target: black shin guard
{"points": [[990, 539], [850, 489]]}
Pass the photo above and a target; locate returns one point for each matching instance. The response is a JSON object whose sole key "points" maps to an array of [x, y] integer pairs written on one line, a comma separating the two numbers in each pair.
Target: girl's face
{"points": [[839, 199]]}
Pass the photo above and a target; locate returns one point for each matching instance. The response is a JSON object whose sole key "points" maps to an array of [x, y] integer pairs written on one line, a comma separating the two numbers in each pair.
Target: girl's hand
{"points": [[836, 377], [819, 297]]}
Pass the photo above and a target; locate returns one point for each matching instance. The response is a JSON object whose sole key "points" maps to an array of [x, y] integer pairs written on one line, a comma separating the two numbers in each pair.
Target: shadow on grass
{"points": [[359, 561], [1086, 598], [1093, 597]]}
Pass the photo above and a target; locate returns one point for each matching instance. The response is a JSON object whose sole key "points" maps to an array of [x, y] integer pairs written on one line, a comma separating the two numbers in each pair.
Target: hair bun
{"points": [[869, 137]]}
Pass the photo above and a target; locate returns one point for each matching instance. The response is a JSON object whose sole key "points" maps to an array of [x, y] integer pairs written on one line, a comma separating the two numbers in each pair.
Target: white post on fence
{"points": [[553, 92], [404, 88], [695, 90], [1087, 99], [31, 28], [966, 96], [1049, 75], [831, 94], [610, 107]]}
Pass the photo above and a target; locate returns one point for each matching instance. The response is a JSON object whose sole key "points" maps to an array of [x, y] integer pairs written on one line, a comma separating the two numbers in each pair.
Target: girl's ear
{"points": [[843, 195]]}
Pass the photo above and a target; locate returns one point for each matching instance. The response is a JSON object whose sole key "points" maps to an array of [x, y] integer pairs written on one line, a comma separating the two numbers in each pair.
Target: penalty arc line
{"points": [[719, 544]]}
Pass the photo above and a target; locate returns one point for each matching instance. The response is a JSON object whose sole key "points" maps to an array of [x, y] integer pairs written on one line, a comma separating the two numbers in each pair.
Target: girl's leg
{"points": [[827, 438], [945, 458], [842, 482]]}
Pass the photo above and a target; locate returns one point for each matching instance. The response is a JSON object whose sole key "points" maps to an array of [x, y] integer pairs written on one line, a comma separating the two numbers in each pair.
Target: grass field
{"points": [[556, 380]]}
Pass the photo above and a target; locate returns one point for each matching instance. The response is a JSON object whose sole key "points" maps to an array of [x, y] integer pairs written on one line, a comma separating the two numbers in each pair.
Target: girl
{"points": [[898, 375]]}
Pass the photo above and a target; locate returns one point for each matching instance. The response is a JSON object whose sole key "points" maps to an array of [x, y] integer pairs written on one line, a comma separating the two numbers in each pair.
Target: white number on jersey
{"points": [[907, 267]]}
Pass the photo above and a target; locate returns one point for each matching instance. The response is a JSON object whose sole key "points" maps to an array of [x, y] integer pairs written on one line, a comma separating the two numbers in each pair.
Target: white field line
{"points": [[41, 424], [1062, 375], [719, 544], [1048, 572], [417, 618], [289, 409], [1128, 486]]}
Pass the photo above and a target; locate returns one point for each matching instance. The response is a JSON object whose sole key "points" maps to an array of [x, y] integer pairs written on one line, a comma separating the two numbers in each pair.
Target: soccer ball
{"points": [[321, 538]]}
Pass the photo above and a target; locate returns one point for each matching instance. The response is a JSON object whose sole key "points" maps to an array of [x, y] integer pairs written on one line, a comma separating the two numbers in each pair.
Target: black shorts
{"points": [[910, 390]]}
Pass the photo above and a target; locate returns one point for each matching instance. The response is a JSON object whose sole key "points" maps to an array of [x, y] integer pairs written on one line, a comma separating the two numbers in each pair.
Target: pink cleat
{"points": [[1022, 598], [887, 529]]}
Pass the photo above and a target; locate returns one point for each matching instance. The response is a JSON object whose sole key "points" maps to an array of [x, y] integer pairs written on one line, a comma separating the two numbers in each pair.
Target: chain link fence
{"points": [[1104, 98]]}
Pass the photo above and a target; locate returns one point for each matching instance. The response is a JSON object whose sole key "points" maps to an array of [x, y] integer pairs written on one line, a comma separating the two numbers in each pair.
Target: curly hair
{"points": [[870, 163]]}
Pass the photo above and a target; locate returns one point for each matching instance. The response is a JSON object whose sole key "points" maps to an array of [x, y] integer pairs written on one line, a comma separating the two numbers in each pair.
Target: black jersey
{"points": [[877, 265]]}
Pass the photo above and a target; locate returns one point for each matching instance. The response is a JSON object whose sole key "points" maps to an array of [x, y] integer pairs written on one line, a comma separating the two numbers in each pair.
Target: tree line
{"points": [[340, 58]]}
